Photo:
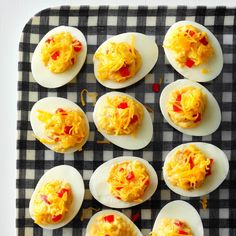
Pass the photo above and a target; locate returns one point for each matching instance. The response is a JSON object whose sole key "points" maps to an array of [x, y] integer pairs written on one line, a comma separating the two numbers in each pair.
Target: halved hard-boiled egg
{"points": [[123, 120], [59, 56], [190, 108], [123, 182], [124, 59], [184, 217], [111, 222], [57, 197], [195, 169], [59, 124], [193, 51]]}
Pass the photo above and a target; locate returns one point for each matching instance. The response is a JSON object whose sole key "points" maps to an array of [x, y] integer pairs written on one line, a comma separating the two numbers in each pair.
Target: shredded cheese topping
{"points": [[186, 106], [128, 181], [120, 115], [59, 52], [52, 202], [172, 227], [118, 61], [91, 95], [204, 202], [113, 225], [188, 168], [190, 45], [63, 129]]}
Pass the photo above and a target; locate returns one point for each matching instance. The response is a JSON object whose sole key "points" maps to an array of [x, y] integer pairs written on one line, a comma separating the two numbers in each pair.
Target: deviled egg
{"points": [[59, 56], [57, 197], [123, 120], [193, 51], [190, 108], [195, 169], [59, 124], [183, 215], [124, 59], [111, 222], [135, 182]]}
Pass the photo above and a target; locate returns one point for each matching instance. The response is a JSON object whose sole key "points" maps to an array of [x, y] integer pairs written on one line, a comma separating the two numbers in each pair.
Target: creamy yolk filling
{"points": [[172, 227], [112, 225], [118, 61], [120, 115], [188, 168], [186, 106], [63, 129], [128, 181], [190, 45], [52, 202], [59, 52]]}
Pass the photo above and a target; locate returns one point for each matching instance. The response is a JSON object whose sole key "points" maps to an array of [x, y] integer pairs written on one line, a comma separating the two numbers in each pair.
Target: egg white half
{"points": [[181, 210], [51, 104], [219, 170], [141, 138], [43, 75], [212, 115], [148, 50], [99, 187], [214, 65], [70, 175], [109, 212]]}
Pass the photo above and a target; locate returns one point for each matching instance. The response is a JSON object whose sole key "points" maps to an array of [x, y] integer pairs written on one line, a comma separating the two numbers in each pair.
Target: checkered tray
{"points": [[97, 24]]}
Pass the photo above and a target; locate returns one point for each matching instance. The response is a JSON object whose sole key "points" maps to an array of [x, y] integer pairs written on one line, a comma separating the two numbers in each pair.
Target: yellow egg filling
{"points": [[188, 168], [59, 52], [112, 225], [172, 227], [63, 129], [186, 106], [52, 202], [118, 61], [190, 45], [128, 181]]}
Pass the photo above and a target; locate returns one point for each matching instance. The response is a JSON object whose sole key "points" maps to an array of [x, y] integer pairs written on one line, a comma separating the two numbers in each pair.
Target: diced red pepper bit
{"points": [[67, 129], [109, 218], [77, 45], [121, 169], [178, 98], [123, 105], [191, 33], [45, 199], [119, 188], [208, 171], [203, 41], [59, 110], [55, 55], [189, 63], [49, 40], [191, 163], [73, 60], [198, 118], [56, 218], [176, 109], [135, 217], [124, 71], [62, 191], [133, 119], [178, 223], [118, 197], [182, 232], [156, 87], [130, 176]]}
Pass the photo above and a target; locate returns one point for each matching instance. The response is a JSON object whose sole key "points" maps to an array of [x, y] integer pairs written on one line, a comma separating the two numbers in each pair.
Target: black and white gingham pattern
{"points": [[98, 24]]}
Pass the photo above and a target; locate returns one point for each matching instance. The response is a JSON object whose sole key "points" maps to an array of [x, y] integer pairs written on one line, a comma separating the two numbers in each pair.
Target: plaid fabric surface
{"points": [[97, 24]]}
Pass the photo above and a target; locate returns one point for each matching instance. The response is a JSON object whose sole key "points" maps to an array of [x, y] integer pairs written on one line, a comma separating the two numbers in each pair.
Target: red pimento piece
{"points": [[191, 163], [176, 109], [135, 217], [178, 98], [178, 223], [45, 199], [109, 218], [55, 55], [191, 33], [56, 218], [118, 197], [208, 172], [134, 119], [59, 110], [77, 45], [67, 129], [124, 71], [156, 87], [203, 41], [189, 63], [198, 118], [73, 60], [49, 40], [123, 105], [121, 169], [130, 176], [182, 232], [119, 188], [62, 191]]}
